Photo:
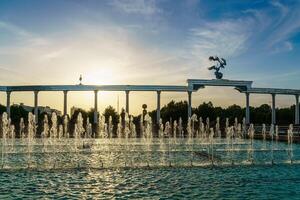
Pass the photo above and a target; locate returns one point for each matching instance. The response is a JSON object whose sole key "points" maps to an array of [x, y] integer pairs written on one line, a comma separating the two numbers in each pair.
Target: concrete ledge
{"points": [[195, 84], [167, 88]]}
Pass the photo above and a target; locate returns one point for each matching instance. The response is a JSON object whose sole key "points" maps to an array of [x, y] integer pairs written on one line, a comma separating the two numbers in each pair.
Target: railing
{"points": [[282, 130]]}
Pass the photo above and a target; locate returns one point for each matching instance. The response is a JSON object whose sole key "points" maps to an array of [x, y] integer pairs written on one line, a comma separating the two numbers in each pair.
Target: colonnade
{"points": [[65, 108], [189, 97], [247, 114]]}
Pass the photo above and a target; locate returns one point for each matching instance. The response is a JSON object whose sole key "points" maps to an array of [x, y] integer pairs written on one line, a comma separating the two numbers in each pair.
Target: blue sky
{"points": [[149, 42]]}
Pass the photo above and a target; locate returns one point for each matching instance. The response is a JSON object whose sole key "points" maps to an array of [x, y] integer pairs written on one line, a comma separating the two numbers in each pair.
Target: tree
{"points": [[234, 111], [206, 110], [174, 110], [2, 109], [285, 115], [261, 114], [110, 111]]}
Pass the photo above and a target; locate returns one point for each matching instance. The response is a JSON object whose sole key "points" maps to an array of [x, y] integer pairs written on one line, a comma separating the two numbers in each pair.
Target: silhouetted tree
{"points": [[206, 110], [2, 109], [261, 114], [173, 111]]}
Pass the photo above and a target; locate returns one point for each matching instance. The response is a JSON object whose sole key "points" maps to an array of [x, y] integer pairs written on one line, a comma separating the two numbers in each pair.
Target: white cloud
{"points": [[284, 27], [275, 26], [23, 35], [145, 7], [89, 51], [284, 46], [227, 38], [282, 8], [14, 29], [262, 20]]}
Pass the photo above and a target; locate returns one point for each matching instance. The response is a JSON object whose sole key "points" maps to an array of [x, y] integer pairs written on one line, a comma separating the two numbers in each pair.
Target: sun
{"points": [[100, 76]]}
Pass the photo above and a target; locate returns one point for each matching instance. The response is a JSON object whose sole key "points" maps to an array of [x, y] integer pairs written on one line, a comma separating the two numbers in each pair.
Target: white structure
{"points": [[39, 109], [193, 86]]}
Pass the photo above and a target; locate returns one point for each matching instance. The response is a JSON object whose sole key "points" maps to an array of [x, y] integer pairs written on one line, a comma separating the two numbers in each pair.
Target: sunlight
{"points": [[100, 75]]}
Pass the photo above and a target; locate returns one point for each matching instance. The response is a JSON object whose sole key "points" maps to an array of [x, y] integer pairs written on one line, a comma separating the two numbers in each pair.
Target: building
{"points": [[41, 109]]}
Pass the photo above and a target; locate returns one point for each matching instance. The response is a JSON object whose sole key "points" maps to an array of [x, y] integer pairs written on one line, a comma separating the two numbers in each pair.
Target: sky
{"points": [[148, 42]]}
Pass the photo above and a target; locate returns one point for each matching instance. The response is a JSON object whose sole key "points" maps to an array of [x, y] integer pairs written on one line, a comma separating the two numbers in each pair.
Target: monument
{"points": [[221, 62]]}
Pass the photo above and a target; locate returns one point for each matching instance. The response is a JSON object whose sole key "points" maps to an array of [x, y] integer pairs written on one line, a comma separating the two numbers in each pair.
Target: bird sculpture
{"points": [[221, 62]]}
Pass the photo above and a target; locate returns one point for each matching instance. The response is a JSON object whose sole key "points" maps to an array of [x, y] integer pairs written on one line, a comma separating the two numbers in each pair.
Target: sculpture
{"points": [[80, 80], [221, 64]]}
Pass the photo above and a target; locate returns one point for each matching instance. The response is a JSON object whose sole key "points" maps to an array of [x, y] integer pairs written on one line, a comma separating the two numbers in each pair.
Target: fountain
{"points": [[102, 128], [251, 132], [290, 135], [161, 129], [218, 131], [271, 133], [201, 128], [5, 130], [197, 144], [22, 128]]}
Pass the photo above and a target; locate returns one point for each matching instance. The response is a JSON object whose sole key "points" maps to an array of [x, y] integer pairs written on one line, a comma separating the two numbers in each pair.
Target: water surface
{"points": [[236, 182]]}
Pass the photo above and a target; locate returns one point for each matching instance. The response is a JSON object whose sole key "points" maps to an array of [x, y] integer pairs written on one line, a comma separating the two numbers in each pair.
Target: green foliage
{"points": [[173, 111], [258, 115], [2, 109], [110, 111], [206, 110], [18, 112]]}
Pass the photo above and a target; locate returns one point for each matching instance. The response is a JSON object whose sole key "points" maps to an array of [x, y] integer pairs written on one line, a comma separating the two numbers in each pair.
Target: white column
{"points": [[247, 108], [189, 103], [36, 109], [127, 101], [158, 107], [8, 103], [273, 109], [297, 109], [65, 102], [96, 107]]}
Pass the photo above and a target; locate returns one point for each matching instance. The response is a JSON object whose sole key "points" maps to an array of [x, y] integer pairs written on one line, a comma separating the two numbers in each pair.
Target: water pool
{"points": [[149, 169], [230, 182]]}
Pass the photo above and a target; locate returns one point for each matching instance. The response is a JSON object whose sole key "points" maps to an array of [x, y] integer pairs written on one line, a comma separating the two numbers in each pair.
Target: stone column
{"points": [[96, 107], [127, 101], [65, 102], [36, 108], [8, 103], [189, 103], [158, 107], [273, 109], [247, 108], [297, 109]]}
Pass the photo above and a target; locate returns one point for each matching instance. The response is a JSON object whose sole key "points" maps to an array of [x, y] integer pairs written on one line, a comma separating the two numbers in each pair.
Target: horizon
{"points": [[148, 42]]}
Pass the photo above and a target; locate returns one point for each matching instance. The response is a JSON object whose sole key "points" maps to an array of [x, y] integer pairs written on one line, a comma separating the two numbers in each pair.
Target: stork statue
{"points": [[221, 62]]}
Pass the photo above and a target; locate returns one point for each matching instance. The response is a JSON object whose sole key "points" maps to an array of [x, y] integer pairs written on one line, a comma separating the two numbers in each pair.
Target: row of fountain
{"points": [[127, 129], [197, 139]]}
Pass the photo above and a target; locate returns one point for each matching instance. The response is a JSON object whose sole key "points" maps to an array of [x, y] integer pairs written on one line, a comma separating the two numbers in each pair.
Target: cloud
{"points": [[284, 46], [90, 50], [144, 7], [282, 8], [226, 38], [14, 29], [261, 18], [285, 26], [19, 32], [274, 26]]}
